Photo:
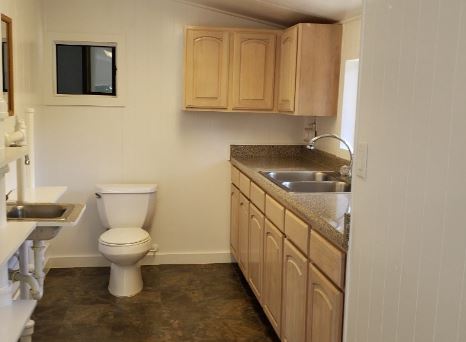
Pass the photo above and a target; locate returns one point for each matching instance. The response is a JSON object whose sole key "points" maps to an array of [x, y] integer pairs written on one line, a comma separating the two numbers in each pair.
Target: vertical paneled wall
{"points": [[408, 260]]}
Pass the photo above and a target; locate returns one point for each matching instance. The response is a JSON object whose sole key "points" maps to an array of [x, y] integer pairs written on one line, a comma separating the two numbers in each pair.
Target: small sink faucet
{"points": [[345, 170]]}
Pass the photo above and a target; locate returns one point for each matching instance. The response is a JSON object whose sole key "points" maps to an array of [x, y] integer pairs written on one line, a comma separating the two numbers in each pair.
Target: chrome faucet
{"points": [[345, 170]]}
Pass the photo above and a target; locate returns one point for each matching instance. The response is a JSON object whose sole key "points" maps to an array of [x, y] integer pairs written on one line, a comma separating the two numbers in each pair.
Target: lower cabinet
{"points": [[295, 267], [256, 249], [302, 296], [243, 233], [324, 309], [234, 217], [272, 275]]}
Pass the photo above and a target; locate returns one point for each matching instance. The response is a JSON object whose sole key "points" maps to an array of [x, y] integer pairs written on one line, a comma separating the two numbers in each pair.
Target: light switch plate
{"points": [[361, 160]]}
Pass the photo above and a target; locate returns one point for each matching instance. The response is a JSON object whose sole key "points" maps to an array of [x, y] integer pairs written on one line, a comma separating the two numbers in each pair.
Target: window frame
{"points": [[87, 68], [50, 95]]}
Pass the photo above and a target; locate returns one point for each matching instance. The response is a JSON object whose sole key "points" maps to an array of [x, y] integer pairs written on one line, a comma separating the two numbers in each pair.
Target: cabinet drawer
{"points": [[297, 231], [257, 197], [244, 184], [235, 176], [328, 258], [275, 212]]}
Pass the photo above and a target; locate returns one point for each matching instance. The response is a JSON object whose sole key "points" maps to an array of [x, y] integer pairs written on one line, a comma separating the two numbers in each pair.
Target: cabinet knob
{"points": [[241, 203]]}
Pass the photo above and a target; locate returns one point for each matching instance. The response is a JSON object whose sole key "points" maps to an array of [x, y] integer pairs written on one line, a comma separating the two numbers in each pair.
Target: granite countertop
{"points": [[324, 212]]}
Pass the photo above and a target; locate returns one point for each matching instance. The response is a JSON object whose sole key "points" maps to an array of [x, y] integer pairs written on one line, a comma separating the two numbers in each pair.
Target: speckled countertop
{"points": [[324, 212]]}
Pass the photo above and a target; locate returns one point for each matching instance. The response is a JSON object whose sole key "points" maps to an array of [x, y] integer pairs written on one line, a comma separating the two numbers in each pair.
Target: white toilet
{"points": [[125, 209]]}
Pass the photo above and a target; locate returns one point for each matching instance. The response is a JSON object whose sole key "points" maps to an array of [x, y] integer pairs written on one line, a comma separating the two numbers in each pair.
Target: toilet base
{"points": [[125, 281]]}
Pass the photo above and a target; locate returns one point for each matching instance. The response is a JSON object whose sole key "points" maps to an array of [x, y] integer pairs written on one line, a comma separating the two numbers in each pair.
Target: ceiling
{"points": [[287, 12]]}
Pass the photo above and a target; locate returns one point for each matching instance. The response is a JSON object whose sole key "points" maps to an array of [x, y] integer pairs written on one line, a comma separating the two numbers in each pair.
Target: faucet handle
{"points": [[8, 194]]}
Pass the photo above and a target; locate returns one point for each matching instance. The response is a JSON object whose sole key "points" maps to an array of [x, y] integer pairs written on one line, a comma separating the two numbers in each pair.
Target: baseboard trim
{"points": [[98, 260]]}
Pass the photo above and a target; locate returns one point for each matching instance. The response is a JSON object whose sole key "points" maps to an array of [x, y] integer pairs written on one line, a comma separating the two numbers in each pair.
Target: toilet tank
{"points": [[126, 205]]}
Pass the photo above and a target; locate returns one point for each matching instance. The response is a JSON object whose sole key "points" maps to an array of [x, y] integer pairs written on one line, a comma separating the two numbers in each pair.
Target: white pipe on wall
{"points": [[30, 174]]}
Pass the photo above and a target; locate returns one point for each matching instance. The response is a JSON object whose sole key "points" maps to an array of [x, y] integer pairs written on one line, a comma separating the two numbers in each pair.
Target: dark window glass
{"points": [[5, 66], [86, 69]]}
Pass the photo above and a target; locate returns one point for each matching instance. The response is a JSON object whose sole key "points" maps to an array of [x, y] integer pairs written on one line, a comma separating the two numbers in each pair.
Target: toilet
{"points": [[125, 210]]}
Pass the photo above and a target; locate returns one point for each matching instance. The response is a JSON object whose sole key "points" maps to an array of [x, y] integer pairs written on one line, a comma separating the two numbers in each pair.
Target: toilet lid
{"points": [[124, 236]]}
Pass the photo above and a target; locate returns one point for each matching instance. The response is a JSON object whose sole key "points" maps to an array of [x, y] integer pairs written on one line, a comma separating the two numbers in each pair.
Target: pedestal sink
{"points": [[50, 217]]}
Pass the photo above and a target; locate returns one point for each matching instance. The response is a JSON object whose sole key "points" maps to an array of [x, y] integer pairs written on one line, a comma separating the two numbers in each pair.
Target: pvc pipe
{"points": [[24, 270], [30, 114], [20, 178], [36, 290], [38, 247], [26, 335]]}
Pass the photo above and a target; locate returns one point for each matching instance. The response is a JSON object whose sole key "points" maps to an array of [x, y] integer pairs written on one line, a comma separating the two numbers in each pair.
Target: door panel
{"points": [[287, 71]]}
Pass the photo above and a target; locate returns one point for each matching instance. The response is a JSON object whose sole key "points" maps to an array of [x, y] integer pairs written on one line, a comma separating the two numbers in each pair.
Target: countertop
{"points": [[324, 212]]}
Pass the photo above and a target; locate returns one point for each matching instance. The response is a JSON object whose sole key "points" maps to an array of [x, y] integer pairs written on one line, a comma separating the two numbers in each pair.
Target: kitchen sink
{"points": [[320, 186], [297, 176], [308, 181], [50, 217]]}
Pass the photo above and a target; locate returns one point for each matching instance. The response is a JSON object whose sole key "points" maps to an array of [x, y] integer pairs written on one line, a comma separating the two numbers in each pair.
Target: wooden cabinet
{"points": [[207, 61], [256, 250], [234, 220], [325, 309], [294, 294], [272, 275], [253, 68], [287, 71], [310, 69], [243, 233]]}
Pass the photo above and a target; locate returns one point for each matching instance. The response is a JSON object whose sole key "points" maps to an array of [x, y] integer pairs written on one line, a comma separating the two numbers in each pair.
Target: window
{"points": [[350, 96], [85, 69]]}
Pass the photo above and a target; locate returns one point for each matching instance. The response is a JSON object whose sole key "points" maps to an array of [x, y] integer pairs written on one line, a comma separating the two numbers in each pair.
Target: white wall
{"points": [[349, 50], [27, 52], [151, 139], [408, 243]]}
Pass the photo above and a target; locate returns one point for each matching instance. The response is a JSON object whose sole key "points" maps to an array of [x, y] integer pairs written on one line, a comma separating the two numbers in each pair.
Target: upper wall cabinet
{"points": [[309, 69], [207, 59], [253, 70], [295, 71]]}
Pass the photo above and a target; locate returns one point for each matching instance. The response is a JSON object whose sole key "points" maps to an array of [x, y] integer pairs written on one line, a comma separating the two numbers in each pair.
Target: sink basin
{"points": [[50, 217], [296, 176], [323, 186], [307, 181], [37, 212]]}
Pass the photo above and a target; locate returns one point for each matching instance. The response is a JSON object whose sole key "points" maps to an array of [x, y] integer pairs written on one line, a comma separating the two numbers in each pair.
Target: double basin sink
{"points": [[50, 217], [308, 181]]}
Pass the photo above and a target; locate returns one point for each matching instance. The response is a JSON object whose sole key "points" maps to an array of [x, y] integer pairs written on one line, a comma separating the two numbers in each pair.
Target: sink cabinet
{"points": [[325, 309], [256, 250], [272, 275], [294, 294], [243, 234], [296, 274], [234, 220]]}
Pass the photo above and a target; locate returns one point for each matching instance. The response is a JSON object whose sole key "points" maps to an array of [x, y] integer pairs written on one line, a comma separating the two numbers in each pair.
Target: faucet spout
{"points": [[344, 170]]}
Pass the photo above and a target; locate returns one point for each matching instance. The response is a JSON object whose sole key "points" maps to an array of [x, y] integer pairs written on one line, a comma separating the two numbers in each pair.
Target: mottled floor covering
{"points": [[210, 303]]}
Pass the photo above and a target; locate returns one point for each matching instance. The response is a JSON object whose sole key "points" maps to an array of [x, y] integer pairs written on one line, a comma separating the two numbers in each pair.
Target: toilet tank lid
{"points": [[126, 188]]}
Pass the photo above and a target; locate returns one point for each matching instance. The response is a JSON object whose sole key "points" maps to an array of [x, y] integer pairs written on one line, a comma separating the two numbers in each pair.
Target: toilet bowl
{"points": [[125, 209]]}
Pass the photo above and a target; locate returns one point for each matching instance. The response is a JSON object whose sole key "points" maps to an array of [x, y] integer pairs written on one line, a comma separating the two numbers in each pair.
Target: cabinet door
{"points": [[272, 279], [243, 234], [234, 220], [253, 70], [325, 309], [294, 294], [256, 249], [287, 71], [206, 78]]}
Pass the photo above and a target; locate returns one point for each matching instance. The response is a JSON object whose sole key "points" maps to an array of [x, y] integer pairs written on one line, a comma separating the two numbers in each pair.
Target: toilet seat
{"points": [[124, 237]]}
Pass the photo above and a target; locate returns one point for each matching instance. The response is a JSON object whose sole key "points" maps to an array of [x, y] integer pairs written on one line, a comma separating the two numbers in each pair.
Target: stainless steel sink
{"points": [[49, 216], [323, 186], [307, 181], [297, 176]]}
